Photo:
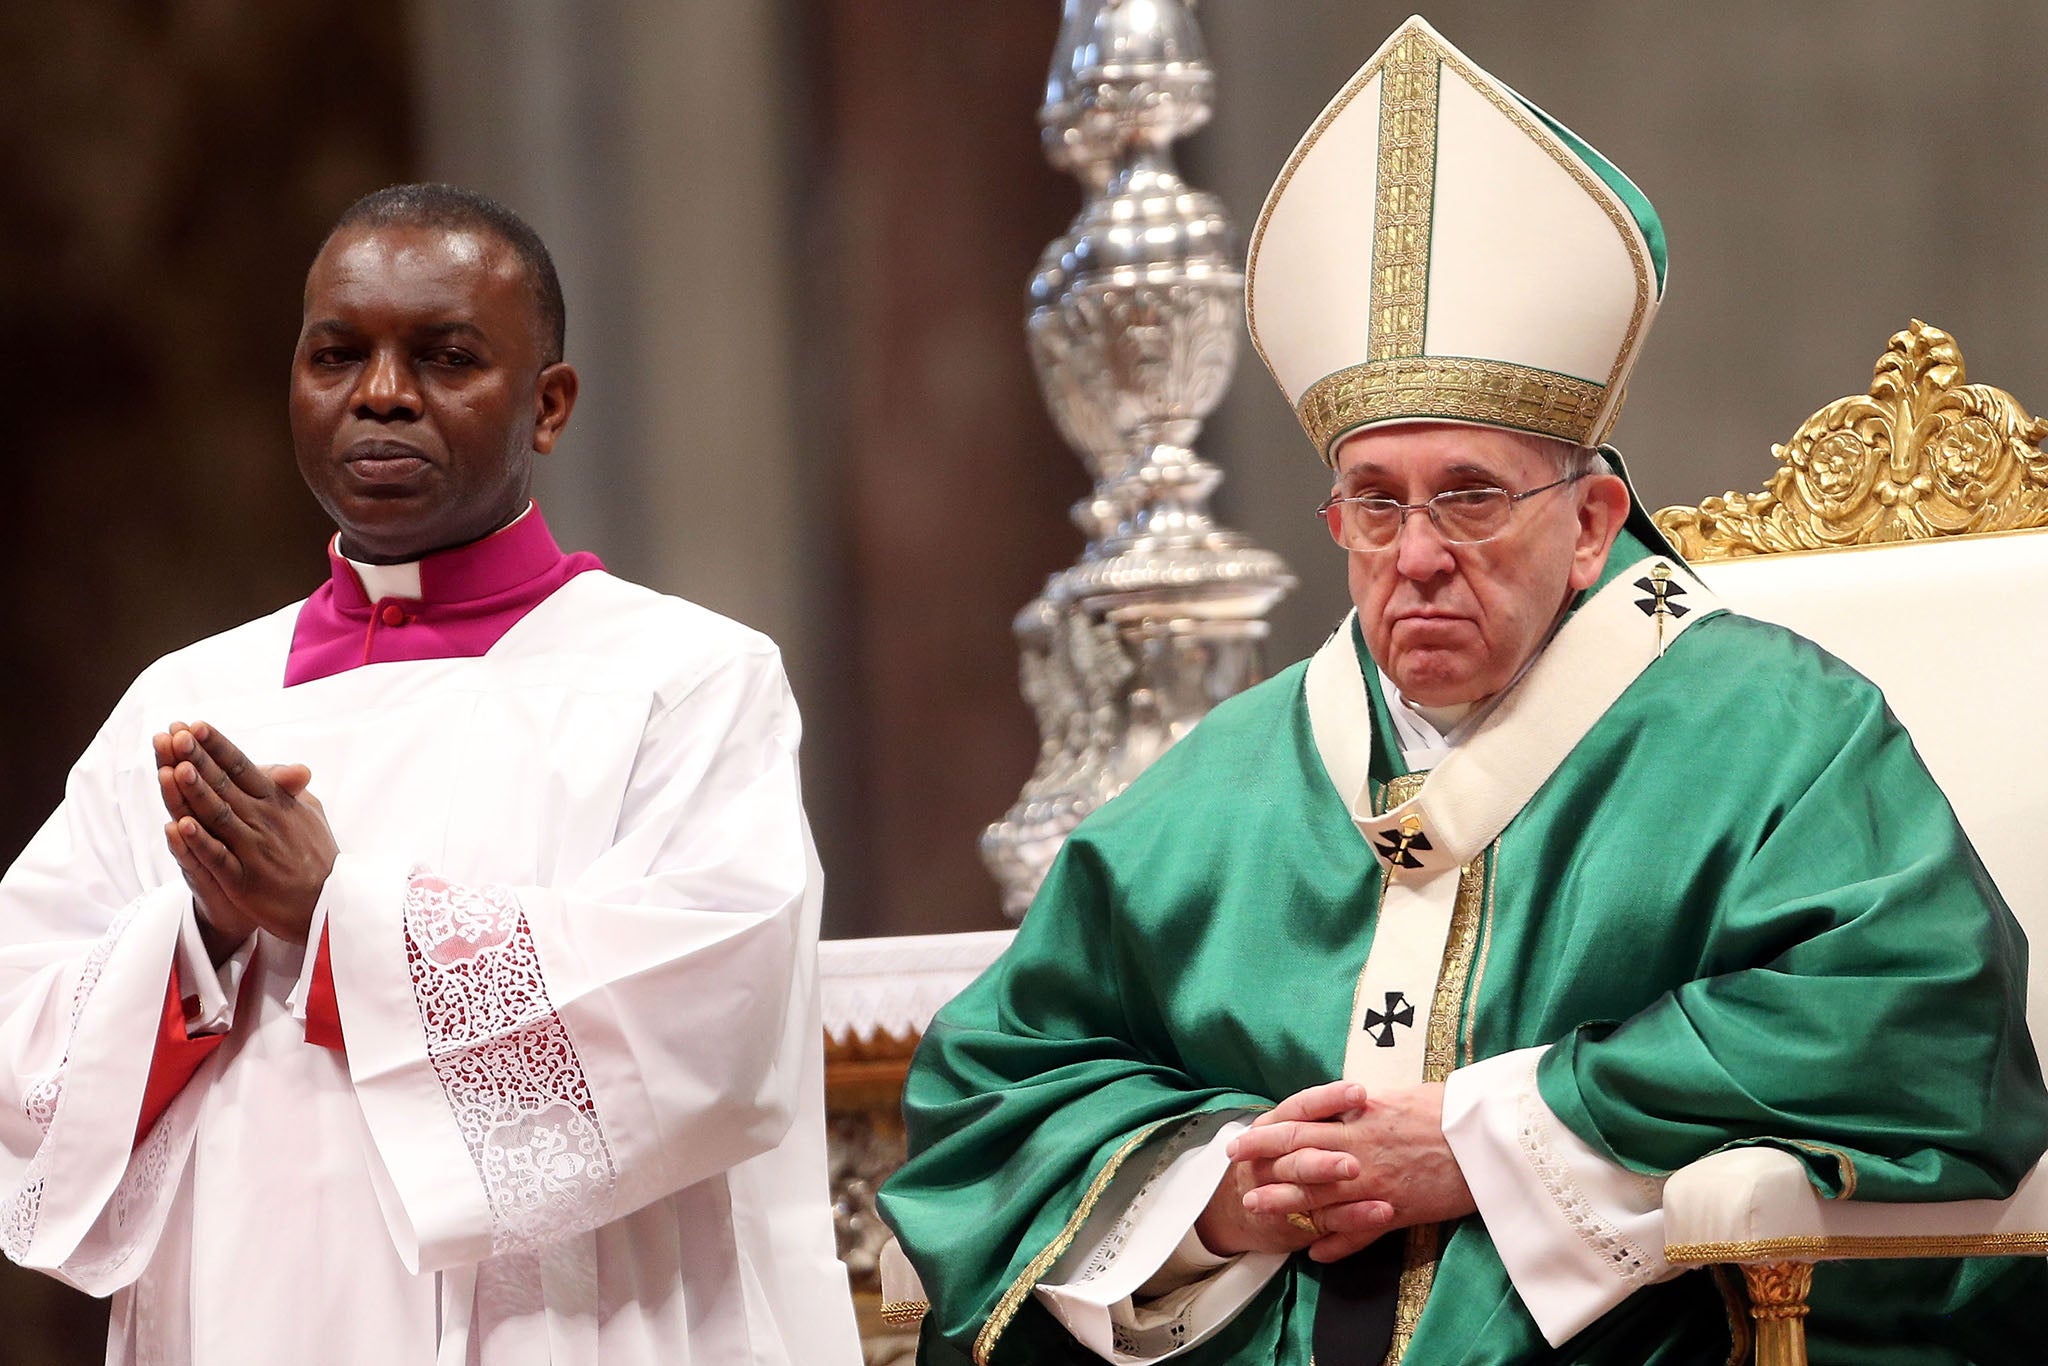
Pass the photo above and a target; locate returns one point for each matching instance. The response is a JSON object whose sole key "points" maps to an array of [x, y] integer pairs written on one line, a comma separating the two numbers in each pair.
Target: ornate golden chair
{"points": [[1902, 534]]}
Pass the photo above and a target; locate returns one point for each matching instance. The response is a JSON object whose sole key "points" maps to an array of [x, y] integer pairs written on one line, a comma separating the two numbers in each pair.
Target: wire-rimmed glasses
{"points": [[1460, 516]]}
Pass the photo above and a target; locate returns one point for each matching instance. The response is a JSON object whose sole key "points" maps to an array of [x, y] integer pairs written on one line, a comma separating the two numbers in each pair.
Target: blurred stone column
{"points": [[651, 144]]}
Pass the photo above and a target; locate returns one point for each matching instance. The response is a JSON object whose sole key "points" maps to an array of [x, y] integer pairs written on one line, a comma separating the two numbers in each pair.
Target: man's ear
{"points": [[554, 398], [1603, 507]]}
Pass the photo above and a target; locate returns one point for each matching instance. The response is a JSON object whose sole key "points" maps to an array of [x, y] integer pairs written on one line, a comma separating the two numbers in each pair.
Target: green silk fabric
{"points": [[1740, 912]]}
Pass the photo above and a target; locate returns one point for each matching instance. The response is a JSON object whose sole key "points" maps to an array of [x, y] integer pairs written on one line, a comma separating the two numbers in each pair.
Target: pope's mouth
{"points": [[1431, 624]]}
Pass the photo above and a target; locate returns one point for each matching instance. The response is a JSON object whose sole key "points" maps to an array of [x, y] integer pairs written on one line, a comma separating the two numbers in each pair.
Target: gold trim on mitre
{"points": [[1453, 389], [1392, 377], [1411, 79]]}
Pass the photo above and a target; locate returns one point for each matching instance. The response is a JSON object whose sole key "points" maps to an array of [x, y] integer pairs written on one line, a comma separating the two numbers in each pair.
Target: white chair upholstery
{"points": [[1954, 629], [1951, 633]]}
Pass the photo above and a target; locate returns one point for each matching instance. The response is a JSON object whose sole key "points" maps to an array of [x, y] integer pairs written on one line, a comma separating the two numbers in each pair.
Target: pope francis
{"points": [[1366, 1025]]}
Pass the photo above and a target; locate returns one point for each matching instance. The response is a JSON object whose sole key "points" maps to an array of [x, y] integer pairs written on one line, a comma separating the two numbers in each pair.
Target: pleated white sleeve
{"points": [[89, 930], [1141, 1293]]}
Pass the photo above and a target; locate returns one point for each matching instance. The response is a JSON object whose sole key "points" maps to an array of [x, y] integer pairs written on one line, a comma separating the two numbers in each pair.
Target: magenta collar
{"points": [[469, 598]]}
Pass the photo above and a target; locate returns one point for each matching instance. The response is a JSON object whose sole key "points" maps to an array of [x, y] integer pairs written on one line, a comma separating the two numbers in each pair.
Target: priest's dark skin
{"points": [[424, 384]]}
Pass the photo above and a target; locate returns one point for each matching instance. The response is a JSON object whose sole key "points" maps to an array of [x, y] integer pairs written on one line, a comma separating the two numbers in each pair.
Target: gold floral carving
{"points": [[1777, 1301], [1923, 454], [1778, 1290]]}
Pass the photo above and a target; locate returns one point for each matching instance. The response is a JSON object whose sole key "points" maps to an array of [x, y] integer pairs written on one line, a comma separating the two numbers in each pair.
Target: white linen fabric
{"points": [[572, 936], [1141, 1294], [1577, 1233]]}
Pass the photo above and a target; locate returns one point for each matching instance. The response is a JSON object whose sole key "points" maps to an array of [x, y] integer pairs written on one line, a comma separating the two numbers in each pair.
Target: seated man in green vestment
{"points": [[1365, 1026]]}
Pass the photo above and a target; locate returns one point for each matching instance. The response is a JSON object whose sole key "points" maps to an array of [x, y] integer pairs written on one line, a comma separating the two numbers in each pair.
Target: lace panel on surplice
{"points": [[40, 1101], [506, 1063]]}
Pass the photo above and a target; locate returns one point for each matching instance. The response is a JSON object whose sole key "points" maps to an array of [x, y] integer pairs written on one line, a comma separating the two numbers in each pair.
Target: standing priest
{"points": [[1364, 1027], [424, 972]]}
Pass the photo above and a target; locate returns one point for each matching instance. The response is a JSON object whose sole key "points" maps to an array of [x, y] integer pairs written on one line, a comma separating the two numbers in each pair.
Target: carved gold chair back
{"points": [[1938, 489], [1923, 454]]}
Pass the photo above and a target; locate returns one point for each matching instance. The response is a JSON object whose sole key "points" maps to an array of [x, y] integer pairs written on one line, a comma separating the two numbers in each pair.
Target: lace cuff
{"points": [[1577, 1233], [18, 1215], [1094, 1290]]}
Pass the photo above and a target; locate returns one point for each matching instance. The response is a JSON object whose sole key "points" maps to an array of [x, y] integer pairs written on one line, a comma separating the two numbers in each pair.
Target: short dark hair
{"points": [[433, 205]]}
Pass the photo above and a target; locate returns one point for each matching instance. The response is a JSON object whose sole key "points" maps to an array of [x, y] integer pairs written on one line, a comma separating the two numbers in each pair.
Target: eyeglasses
{"points": [[1460, 516]]}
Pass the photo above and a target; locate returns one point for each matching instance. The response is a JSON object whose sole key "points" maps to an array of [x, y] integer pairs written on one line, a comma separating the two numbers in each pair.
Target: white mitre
{"points": [[1438, 248]]}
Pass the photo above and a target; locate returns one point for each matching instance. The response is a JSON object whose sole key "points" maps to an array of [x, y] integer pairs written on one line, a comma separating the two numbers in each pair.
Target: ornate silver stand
{"points": [[1133, 327]]}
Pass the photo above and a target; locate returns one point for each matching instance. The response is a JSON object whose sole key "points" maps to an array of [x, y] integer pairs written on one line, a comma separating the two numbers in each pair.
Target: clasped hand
{"points": [[1349, 1166], [252, 842]]}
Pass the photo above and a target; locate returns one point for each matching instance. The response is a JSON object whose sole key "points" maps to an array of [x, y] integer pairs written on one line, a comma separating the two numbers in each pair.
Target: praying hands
{"points": [[252, 842], [1331, 1169]]}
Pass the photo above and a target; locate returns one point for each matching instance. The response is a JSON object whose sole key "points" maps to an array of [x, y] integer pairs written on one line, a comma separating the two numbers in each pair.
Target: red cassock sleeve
{"points": [[177, 1057], [323, 1014]]}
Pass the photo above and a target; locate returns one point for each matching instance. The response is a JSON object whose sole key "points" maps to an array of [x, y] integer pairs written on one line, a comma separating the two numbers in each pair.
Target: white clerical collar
{"points": [[1426, 733], [381, 581]]}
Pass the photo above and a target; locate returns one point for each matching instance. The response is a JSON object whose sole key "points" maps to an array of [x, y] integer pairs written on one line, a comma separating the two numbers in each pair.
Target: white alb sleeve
{"points": [[1577, 1233], [209, 992], [302, 989], [1142, 1294]]}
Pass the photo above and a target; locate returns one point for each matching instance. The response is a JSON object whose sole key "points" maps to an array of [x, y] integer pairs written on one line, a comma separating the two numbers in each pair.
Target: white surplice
{"points": [[572, 937]]}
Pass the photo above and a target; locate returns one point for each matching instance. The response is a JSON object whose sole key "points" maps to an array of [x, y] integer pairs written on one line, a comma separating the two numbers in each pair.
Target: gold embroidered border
{"points": [[1498, 393], [1735, 1304], [904, 1313], [1848, 1165], [1822, 1247], [1439, 1056], [1405, 200], [1478, 976], [1013, 1298]]}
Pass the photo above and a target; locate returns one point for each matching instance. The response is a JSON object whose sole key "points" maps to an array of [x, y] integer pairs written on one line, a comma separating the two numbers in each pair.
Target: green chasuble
{"points": [[1739, 911]]}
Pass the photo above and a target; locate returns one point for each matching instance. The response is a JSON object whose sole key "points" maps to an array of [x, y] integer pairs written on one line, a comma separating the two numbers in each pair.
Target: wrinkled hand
{"points": [[1229, 1226], [1356, 1166], [252, 842], [1244, 1216]]}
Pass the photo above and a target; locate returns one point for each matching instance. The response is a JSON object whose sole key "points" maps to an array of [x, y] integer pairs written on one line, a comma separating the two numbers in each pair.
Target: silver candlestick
{"points": [[1133, 326]]}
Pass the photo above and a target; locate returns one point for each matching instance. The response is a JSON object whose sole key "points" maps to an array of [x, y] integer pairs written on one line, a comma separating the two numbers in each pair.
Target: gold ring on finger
{"points": [[1306, 1223]]}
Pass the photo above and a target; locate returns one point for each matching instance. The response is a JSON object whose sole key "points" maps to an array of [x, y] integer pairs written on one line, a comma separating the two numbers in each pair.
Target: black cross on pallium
{"points": [[1398, 1012], [1393, 846], [1660, 603]]}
